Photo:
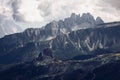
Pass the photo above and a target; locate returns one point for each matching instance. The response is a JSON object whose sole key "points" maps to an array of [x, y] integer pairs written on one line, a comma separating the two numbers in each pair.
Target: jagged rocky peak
{"points": [[32, 32], [87, 17], [76, 22], [52, 28], [74, 16], [99, 20], [53, 24]]}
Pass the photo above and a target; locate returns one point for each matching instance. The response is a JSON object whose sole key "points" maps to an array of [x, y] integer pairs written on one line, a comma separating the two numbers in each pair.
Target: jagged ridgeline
{"points": [[68, 39]]}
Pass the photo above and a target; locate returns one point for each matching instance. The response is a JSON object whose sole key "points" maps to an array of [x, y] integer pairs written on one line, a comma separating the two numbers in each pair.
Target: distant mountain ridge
{"points": [[8, 26], [77, 48], [23, 47], [74, 22], [62, 39]]}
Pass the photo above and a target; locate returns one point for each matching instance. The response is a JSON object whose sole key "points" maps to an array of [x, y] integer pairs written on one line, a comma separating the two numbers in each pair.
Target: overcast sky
{"points": [[44, 11]]}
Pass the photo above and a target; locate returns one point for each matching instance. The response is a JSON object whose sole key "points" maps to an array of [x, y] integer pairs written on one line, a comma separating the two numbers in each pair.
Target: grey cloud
{"points": [[113, 3], [45, 8], [15, 4], [55, 10], [48, 10], [18, 17]]}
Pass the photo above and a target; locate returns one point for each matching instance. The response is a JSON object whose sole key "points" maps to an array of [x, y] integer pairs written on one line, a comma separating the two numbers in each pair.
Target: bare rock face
{"points": [[99, 20]]}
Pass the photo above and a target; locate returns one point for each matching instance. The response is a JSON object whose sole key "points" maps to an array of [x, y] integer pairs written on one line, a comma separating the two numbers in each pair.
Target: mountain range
{"points": [[76, 48]]}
